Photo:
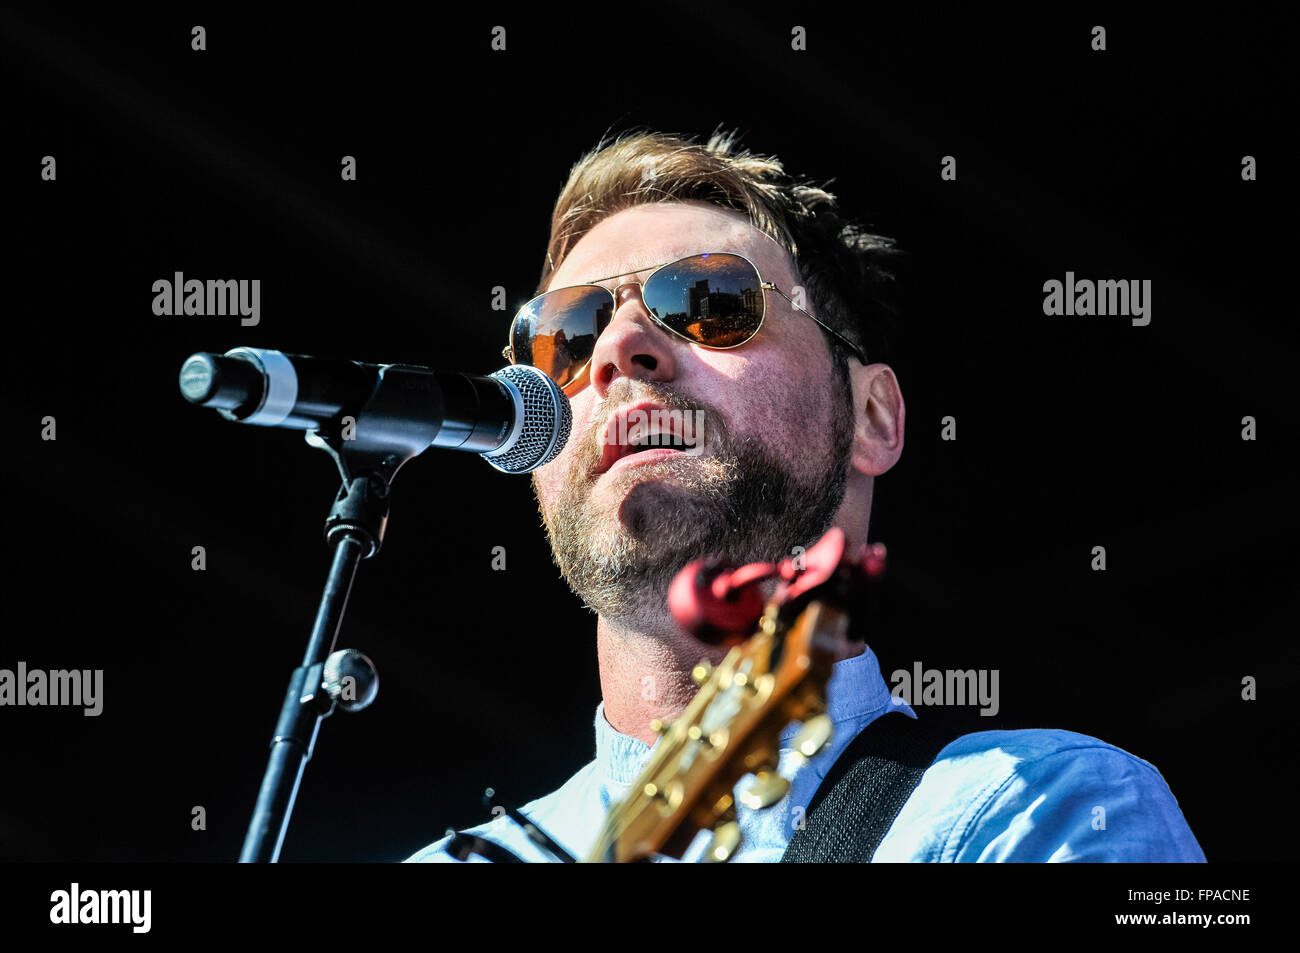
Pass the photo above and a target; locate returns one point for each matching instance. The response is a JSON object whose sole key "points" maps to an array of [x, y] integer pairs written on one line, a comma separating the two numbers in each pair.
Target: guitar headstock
{"points": [[732, 726]]}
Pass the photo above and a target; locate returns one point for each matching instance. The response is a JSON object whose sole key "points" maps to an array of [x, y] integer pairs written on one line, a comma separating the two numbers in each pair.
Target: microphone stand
{"points": [[368, 451]]}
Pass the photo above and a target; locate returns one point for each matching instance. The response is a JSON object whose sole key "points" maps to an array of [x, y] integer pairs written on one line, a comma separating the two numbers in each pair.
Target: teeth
{"points": [[659, 440]]}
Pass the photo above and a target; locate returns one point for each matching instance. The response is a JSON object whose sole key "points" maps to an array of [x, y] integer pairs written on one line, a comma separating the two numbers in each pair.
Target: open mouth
{"points": [[648, 433]]}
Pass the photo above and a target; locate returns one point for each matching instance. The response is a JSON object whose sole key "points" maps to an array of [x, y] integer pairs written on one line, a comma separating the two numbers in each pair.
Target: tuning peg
{"points": [[660, 727], [873, 559], [742, 680], [669, 797], [767, 789], [814, 734], [700, 674], [724, 843]]}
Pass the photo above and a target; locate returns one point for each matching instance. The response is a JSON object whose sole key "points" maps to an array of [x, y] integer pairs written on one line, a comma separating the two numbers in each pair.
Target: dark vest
{"points": [[866, 788]]}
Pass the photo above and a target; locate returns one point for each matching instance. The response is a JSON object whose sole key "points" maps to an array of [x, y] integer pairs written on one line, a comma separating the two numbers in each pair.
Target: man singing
{"points": [[705, 283]]}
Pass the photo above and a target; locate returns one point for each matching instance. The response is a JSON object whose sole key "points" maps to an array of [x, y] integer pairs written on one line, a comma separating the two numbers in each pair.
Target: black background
{"points": [[1072, 431]]}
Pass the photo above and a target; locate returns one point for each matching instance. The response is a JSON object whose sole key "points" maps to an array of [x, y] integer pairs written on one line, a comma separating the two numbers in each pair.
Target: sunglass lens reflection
{"points": [[714, 300], [556, 333]]}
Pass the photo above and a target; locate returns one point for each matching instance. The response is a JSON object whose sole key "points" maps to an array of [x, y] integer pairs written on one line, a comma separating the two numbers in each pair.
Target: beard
{"points": [[739, 502]]}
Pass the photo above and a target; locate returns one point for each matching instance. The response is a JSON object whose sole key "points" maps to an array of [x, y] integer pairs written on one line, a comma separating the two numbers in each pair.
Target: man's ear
{"points": [[878, 414]]}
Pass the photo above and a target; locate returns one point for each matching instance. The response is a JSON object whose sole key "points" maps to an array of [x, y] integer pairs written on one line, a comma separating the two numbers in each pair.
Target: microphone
{"points": [[517, 418]]}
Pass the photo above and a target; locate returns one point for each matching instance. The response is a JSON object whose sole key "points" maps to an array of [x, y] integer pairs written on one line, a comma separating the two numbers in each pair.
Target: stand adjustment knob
{"points": [[350, 679]]}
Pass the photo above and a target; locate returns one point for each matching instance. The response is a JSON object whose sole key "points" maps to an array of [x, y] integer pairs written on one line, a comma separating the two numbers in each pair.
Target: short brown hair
{"points": [[843, 267]]}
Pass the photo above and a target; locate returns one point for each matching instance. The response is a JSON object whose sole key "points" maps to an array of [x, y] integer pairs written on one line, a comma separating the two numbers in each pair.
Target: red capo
{"points": [[722, 606]]}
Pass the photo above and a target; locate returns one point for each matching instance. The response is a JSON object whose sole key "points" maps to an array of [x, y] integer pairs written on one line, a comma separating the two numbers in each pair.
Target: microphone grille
{"points": [[547, 418]]}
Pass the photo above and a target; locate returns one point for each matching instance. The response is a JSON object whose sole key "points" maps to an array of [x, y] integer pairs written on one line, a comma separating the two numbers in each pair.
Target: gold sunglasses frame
{"points": [[509, 354]]}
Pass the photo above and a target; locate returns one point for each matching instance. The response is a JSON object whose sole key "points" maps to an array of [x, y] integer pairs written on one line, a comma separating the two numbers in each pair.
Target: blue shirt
{"points": [[1028, 795]]}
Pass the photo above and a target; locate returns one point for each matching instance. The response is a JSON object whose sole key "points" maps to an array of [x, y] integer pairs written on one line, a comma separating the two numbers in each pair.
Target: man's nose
{"points": [[632, 345]]}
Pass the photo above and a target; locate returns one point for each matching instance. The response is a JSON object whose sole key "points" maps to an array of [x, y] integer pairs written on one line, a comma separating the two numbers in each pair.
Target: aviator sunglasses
{"points": [[715, 300]]}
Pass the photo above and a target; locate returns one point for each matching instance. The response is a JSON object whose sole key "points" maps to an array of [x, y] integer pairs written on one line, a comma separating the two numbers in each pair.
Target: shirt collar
{"points": [[619, 757], [856, 689]]}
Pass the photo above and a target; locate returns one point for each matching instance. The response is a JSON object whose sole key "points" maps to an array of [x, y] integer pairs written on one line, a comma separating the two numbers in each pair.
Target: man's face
{"points": [[776, 425]]}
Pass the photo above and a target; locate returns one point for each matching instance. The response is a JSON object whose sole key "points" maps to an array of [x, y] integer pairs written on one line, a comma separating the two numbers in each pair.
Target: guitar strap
{"points": [[866, 788]]}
